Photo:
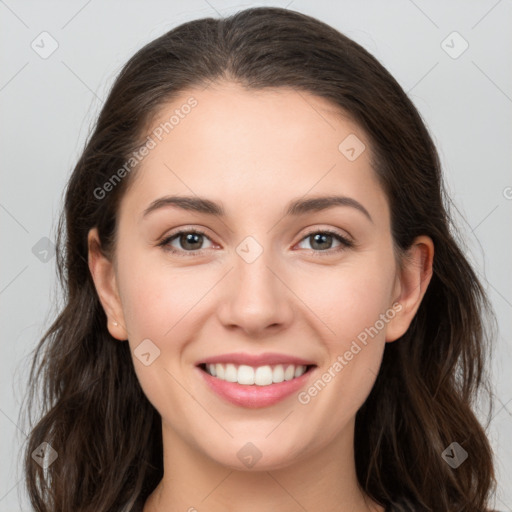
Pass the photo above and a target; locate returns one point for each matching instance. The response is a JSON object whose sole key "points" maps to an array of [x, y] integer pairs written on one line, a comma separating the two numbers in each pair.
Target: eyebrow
{"points": [[294, 208]]}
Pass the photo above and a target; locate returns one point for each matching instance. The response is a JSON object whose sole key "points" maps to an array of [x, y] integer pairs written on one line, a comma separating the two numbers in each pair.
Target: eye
{"points": [[188, 241], [321, 241]]}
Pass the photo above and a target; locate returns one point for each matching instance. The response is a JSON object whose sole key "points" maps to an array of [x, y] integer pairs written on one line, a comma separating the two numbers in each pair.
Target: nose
{"points": [[256, 299]]}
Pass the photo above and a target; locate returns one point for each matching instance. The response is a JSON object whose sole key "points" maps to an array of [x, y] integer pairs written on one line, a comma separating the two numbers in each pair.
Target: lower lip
{"points": [[255, 396]]}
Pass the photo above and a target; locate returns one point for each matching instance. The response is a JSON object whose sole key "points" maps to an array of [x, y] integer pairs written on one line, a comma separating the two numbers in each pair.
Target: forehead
{"points": [[245, 146]]}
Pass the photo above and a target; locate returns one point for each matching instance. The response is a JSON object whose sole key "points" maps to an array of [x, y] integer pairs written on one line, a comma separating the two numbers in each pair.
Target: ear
{"points": [[411, 285], [103, 275]]}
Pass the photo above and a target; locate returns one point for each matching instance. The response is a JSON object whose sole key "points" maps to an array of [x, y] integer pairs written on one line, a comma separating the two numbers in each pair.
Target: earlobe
{"points": [[103, 275], [413, 280]]}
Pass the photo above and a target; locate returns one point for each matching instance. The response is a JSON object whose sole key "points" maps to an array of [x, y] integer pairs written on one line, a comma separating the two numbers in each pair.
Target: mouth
{"points": [[255, 386], [255, 380], [265, 375]]}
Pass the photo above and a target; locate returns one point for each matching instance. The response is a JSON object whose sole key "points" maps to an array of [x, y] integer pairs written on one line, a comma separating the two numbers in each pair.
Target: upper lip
{"points": [[264, 359]]}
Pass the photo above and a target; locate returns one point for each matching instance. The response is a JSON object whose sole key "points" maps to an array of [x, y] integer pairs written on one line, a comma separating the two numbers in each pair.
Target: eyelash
{"points": [[345, 243]]}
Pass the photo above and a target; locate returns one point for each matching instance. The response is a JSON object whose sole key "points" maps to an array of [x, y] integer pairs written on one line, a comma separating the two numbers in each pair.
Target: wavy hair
{"points": [[92, 406]]}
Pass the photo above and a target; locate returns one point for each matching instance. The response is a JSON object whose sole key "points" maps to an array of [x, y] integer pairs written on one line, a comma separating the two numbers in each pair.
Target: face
{"points": [[316, 284]]}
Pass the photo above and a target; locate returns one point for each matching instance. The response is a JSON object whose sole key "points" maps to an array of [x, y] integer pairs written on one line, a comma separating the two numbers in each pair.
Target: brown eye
{"points": [[322, 241], [183, 242], [190, 241]]}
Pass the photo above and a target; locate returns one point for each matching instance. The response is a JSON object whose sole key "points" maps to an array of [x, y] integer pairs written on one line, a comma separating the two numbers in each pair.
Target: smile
{"points": [[259, 376], [255, 387]]}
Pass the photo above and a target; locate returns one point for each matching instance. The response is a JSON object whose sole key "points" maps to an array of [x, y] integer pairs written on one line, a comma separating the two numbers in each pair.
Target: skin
{"points": [[253, 152]]}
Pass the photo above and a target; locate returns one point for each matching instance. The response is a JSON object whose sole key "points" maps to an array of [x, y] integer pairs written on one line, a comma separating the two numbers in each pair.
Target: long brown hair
{"points": [[94, 414]]}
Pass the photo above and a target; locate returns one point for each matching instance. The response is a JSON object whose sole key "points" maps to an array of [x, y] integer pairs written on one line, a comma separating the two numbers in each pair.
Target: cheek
{"points": [[349, 299], [155, 297], [351, 306], [158, 304]]}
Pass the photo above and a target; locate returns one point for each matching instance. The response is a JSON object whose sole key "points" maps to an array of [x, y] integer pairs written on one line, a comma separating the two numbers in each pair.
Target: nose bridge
{"points": [[255, 298]]}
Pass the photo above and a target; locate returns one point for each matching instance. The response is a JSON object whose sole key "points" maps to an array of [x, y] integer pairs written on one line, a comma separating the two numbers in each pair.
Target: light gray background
{"points": [[47, 106]]}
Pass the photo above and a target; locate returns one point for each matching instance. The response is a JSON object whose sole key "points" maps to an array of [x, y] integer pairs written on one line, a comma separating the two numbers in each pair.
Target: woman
{"points": [[213, 354]]}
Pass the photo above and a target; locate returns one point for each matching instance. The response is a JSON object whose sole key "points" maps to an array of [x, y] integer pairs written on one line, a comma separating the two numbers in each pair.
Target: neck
{"points": [[325, 480]]}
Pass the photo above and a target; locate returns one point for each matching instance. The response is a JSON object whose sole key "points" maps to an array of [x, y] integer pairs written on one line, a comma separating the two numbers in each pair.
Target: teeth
{"points": [[245, 375], [260, 376], [278, 373], [231, 374]]}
